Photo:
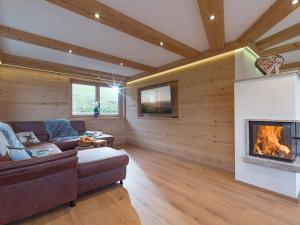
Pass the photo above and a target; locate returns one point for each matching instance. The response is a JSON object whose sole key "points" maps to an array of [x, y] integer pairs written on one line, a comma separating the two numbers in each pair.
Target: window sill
{"points": [[87, 117]]}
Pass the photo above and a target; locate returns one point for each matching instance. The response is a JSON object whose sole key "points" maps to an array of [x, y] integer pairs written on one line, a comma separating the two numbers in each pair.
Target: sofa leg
{"points": [[72, 204], [121, 181]]}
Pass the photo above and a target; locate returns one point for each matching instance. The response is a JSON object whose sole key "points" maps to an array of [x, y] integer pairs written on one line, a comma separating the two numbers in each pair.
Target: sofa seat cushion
{"points": [[98, 160], [43, 145], [67, 144]]}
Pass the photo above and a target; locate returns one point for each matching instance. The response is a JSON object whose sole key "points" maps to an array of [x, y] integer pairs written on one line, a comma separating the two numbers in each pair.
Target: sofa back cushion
{"points": [[3, 144], [39, 128]]}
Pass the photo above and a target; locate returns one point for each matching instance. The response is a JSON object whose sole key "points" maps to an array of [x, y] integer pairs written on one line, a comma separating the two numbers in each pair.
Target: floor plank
{"points": [[165, 190]]}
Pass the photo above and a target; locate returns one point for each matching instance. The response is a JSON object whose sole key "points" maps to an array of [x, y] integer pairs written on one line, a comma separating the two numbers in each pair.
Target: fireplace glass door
{"points": [[273, 140]]}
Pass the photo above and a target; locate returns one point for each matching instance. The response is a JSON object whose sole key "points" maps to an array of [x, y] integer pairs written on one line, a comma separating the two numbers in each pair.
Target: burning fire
{"points": [[268, 142]]}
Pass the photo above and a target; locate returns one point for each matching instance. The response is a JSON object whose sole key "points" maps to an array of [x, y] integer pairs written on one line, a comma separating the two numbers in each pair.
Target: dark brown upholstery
{"points": [[31, 186], [39, 129], [99, 167]]}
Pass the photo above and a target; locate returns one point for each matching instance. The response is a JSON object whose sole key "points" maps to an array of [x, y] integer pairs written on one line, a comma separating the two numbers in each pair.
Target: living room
{"points": [[149, 112]]}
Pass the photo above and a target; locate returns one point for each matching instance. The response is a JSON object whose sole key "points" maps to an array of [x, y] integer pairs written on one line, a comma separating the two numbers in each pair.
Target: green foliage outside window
{"points": [[84, 99]]}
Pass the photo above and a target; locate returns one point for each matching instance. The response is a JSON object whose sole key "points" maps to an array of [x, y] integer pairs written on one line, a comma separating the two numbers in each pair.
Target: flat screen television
{"points": [[156, 100]]}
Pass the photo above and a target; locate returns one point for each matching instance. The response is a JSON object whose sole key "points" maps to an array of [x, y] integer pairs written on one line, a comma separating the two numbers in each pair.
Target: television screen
{"points": [[156, 100]]}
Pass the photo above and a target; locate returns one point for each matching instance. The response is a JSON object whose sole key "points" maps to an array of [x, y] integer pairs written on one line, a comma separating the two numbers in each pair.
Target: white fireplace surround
{"points": [[273, 98]]}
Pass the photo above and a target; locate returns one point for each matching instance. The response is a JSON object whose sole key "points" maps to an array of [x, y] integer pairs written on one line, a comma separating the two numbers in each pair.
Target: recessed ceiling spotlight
{"points": [[97, 15], [212, 17], [161, 43], [121, 64], [0, 62], [294, 2], [70, 51]]}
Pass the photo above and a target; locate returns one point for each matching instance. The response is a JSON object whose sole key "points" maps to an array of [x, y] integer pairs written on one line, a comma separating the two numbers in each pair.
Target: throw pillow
{"points": [[3, 144], [17, 154], [27, 138], [10, 136]]}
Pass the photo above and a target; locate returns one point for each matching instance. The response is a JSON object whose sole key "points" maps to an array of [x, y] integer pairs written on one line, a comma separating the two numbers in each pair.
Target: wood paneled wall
{"points": [[36, 95], [204, 131]]}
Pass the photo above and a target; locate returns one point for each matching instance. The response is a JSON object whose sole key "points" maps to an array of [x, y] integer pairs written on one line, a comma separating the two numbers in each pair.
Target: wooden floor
{"points": [[163, 190]]}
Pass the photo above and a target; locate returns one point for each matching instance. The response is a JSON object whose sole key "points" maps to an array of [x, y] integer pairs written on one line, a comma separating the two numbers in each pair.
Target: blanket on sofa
{"points": [[10, 136], [60, 130]]}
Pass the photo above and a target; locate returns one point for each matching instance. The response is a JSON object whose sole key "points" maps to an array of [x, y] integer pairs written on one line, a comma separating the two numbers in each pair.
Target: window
{"points": [[109, 101], [85, 97]]}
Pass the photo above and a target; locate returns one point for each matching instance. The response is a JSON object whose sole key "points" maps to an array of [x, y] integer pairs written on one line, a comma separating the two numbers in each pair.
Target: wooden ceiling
{"points": [[133, 39]]}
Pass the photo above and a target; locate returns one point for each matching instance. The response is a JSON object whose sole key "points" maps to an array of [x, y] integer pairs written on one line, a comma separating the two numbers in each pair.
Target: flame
{"points": [[268, 142]]}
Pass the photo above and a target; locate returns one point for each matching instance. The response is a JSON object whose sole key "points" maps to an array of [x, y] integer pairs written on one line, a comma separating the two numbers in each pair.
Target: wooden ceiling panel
{"points": [[214, 28], [279, 10], [121, 22]]}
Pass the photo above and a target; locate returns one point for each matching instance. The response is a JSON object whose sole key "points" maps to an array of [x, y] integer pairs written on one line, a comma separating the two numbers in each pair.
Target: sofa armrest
{"points": [[13, 172]]}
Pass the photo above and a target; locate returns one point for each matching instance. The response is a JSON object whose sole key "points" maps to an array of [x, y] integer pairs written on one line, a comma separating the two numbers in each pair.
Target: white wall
{"points": [[272, 98], [245, 64]]}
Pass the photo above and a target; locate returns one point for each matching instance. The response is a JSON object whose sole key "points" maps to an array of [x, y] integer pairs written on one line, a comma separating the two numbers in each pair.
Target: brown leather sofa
{"points": [[39, 129], [31, 186]]}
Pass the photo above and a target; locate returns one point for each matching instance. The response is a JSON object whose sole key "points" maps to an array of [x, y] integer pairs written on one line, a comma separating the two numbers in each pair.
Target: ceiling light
{"points": [[0, 62], [294, 2], [161, 43], [212, 17], [121, 64], [70, 50], [97, 15]]}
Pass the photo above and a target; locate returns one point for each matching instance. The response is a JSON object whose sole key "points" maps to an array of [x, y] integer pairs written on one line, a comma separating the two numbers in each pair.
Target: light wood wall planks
{"points": [[28, 95], [204, 130]]}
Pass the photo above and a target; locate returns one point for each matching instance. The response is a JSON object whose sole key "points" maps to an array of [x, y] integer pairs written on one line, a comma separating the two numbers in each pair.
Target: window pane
{"points": [[109, 101], [83, 99]]}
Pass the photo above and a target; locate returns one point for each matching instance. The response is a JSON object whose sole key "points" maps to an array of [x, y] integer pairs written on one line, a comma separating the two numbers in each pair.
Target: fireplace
{"points": [[273, 140]]}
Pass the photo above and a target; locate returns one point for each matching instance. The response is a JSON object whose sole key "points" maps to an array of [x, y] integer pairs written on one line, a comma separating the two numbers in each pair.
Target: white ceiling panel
{"points": [[290, 20], [179, 19], [241, 14], [46, 19], [35, 52]]}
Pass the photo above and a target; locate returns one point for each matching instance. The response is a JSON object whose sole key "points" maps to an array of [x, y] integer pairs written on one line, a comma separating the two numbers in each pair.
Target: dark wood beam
{"points": [[278, 11], [24, 62], [46, 42], [215, 31], [123, 23]]}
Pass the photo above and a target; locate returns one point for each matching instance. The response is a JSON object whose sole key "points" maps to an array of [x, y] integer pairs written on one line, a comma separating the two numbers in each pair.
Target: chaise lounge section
{"points": [[39, 184]]}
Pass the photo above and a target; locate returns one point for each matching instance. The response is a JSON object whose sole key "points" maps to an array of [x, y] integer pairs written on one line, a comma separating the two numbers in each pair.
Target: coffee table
{"points": [[95, 144]]}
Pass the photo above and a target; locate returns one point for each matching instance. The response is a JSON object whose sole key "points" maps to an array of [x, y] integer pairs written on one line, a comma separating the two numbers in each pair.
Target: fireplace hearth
{"points": [[273, 140]]}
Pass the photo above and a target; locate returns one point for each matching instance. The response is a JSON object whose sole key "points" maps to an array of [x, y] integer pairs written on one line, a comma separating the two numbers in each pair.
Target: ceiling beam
{"points": [[291, 66], [215, 31], [279, 10], [18, 61], [284, 35], [123, 23], [42, 41], [282, 49], [205, 55]]}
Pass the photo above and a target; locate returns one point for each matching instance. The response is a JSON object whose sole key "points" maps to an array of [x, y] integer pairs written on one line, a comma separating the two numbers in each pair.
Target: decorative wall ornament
{"points": [[269, 64]]}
